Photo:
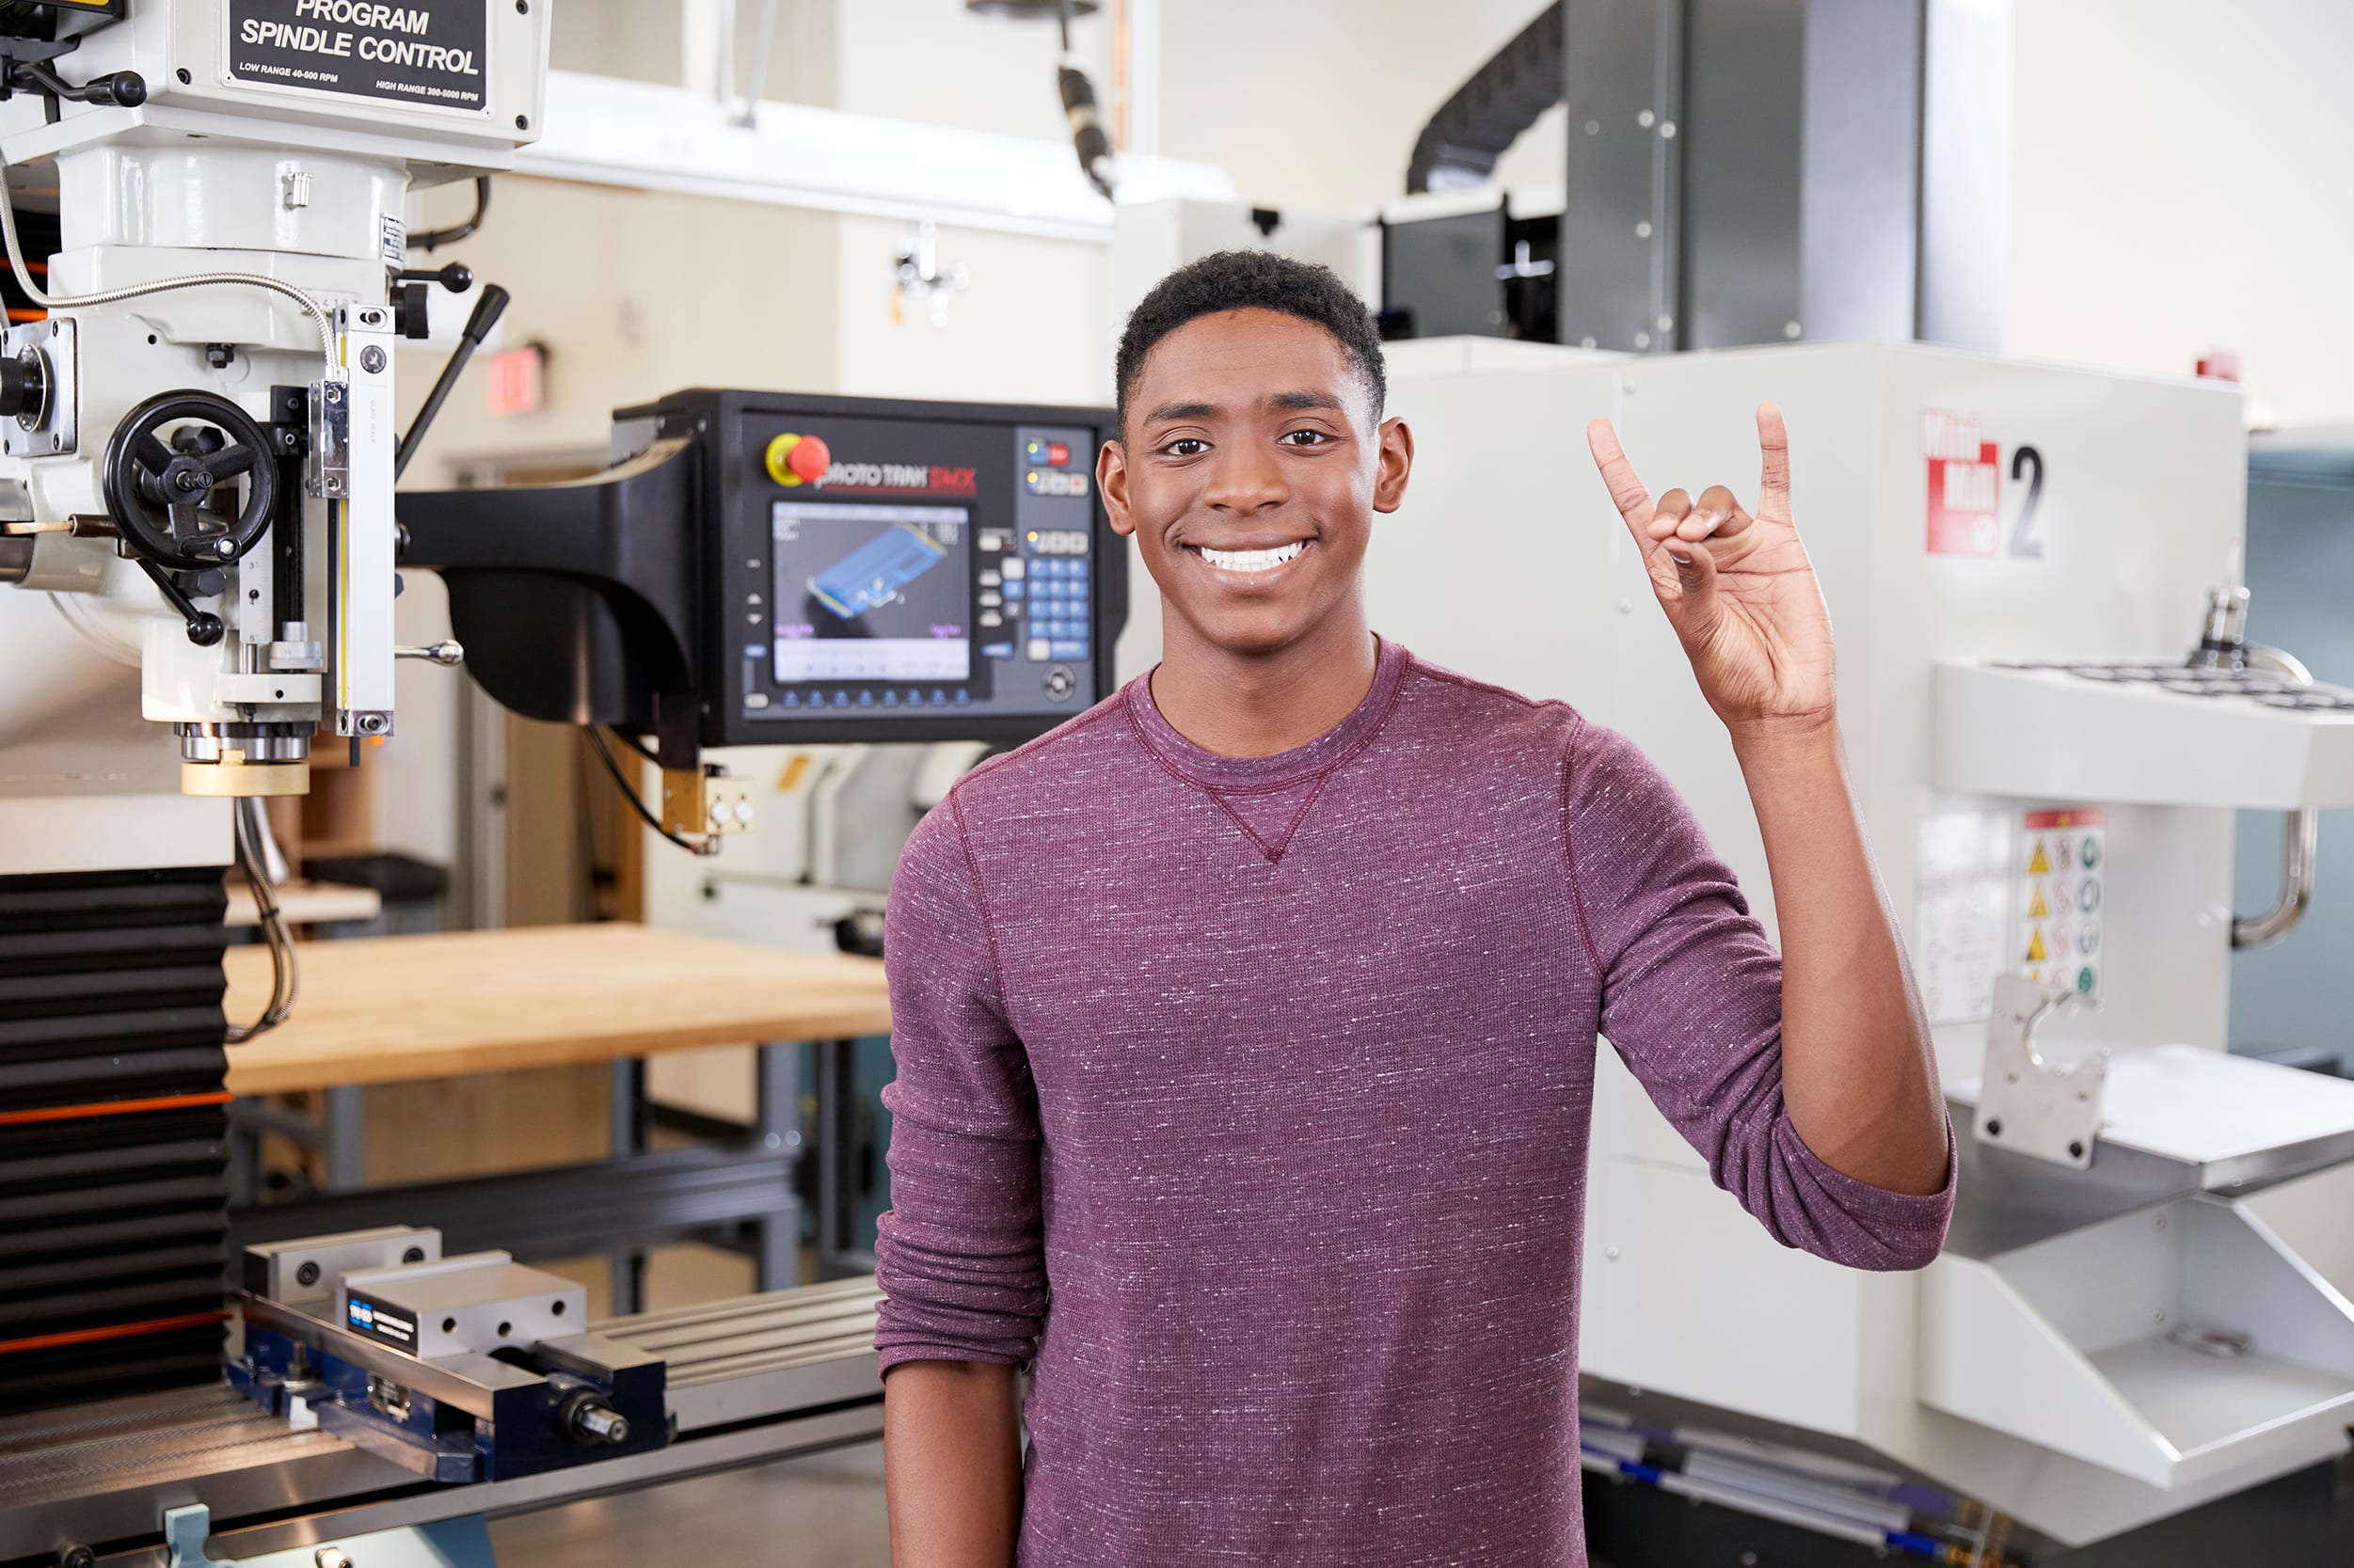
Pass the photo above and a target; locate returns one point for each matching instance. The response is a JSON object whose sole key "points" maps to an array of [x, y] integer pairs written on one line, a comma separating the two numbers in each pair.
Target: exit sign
{"points": [[517, 380]]}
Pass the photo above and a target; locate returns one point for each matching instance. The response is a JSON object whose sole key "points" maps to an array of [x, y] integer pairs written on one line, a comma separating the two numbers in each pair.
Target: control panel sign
{"points": [[430, 53]]}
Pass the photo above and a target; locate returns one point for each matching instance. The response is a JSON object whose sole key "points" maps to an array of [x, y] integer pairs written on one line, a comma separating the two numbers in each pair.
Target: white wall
{"points": [[927, 60], [1316, 103], [935, 62], [1032, 325], [1311, 103], [636, 293], [2179, 186]]}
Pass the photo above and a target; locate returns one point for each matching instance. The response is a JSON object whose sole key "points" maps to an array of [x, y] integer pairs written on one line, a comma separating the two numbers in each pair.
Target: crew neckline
{"points": [[1214, 770]]}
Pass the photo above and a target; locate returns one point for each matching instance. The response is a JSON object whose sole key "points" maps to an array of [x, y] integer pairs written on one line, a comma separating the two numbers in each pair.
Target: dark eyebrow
{"points": [[1303, 399], [1180, 411]]}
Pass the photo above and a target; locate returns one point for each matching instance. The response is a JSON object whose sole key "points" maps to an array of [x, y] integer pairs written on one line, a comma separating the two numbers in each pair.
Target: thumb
{"points": [[1696, 606]]}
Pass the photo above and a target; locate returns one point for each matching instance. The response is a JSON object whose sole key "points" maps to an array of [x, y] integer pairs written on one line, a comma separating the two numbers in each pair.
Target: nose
{"points": [[1246, 478]]}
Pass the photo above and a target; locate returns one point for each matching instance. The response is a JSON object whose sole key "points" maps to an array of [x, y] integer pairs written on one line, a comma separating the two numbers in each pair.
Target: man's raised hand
{"points": [[1736, 586]]}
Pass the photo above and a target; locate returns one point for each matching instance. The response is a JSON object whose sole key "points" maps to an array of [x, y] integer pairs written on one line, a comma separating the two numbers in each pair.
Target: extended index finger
{"points": [[1774, 451], [1625, 487]]}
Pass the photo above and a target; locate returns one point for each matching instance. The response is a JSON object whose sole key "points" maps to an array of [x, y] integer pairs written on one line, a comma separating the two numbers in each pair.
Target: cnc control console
{"points": [[898, 570], [777, 568]]}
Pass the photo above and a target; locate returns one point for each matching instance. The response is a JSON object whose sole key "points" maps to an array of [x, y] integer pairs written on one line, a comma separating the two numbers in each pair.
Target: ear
{"points": [[1392, 463], [1111, 483]]}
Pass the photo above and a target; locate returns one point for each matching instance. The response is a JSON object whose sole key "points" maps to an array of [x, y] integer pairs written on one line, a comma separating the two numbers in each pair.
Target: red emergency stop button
{"points": [[794, 459]]}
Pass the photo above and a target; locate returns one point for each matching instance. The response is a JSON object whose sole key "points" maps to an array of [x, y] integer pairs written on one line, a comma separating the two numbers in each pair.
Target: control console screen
{"points": [[871, 593]]}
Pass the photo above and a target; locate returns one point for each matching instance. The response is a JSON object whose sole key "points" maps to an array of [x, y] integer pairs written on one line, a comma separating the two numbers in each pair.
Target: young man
{"points": [[1246, 1023]]}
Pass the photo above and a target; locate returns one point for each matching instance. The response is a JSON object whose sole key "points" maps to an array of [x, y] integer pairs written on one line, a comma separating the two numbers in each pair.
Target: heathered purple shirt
{"points": [[1246, 1100]]}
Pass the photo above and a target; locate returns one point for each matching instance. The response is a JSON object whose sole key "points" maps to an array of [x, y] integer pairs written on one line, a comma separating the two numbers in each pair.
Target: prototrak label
{"points": [[430, 55]]}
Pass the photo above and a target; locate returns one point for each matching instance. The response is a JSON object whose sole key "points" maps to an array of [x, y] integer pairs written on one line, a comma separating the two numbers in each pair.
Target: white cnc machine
{"points": [[2144, 1303], [196, 487], [197, 451]]}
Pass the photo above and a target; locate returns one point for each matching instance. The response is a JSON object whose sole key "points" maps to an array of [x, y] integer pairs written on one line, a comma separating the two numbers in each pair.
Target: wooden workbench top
{"points": [[305, 903], [390, 1009]]}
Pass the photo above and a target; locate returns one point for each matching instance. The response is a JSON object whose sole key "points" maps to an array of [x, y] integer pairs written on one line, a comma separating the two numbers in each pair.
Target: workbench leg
{"points": [[626, 1118], [778, 1127], [836, 1131], [347, 1148]]}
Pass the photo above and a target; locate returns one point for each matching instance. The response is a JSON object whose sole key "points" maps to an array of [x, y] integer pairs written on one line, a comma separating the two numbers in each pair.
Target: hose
{"points": [[259, 858]]}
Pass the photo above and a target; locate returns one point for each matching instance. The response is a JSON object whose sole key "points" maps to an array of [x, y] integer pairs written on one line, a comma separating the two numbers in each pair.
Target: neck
{"points": [[1256, 705]]}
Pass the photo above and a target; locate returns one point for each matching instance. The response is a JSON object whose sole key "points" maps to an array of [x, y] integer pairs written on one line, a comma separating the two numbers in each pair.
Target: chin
{"points": [[1254, 632]]}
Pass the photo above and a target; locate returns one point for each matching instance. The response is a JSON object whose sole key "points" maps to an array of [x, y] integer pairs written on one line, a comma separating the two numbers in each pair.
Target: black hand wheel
{"points": [[156, 493]]}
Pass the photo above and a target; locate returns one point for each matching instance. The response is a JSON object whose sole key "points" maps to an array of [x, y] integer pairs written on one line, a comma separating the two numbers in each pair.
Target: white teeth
{"points": [[1252, 561]]}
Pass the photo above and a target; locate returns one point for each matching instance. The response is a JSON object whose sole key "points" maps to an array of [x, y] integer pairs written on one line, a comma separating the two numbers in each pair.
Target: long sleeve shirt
{"points": [[1246, 1100]]}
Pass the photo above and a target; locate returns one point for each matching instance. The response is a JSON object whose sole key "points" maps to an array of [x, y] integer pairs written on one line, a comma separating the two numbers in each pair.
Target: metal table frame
{"points": [[744, 1188]]}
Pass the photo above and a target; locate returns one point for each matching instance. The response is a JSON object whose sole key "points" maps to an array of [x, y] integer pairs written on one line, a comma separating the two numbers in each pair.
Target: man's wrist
{"points": [[1786, 737]]}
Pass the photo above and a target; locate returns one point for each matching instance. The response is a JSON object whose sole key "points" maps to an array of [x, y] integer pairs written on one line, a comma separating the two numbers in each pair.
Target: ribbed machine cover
{"points": [[113, 1134]]}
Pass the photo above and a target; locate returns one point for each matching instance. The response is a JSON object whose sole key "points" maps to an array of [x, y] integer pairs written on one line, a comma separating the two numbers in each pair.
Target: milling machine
{"points": [[195, 517]]}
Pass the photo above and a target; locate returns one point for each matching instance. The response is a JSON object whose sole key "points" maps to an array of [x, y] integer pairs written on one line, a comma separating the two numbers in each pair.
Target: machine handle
{"points": [[488, 310], [155, 492], [457, 276], [121, 89]]}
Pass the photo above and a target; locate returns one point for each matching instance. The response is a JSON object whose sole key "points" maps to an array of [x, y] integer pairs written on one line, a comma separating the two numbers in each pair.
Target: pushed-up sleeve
{"points": [[959, 1255], [1692, 1001]]}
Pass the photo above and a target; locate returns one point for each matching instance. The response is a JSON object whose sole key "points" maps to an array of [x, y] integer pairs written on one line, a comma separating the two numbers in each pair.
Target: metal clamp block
{"points": [[185, 1531], [2025, 1104]]}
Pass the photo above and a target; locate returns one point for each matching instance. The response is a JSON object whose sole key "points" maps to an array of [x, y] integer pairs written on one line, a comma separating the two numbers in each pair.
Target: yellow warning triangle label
{"points": [[2036, 952], [2037, 909], [2038, 863]]}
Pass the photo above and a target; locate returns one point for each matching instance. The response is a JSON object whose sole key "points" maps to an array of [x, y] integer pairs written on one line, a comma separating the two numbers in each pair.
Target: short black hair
{"points": [[1252, 280]]}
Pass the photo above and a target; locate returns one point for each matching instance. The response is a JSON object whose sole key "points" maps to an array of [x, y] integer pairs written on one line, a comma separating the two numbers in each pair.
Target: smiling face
{"points": [[1248, 470]]}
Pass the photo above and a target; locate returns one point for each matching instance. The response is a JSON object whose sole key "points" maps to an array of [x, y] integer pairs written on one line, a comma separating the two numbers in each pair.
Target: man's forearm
{"points": [[1860, 1075], [952, 1463]]}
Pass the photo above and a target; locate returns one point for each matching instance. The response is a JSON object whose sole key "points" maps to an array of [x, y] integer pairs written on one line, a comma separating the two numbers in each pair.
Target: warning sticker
{"points": [[2007, 894], [1962, 936], [425, 54], [2062, 865]]}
